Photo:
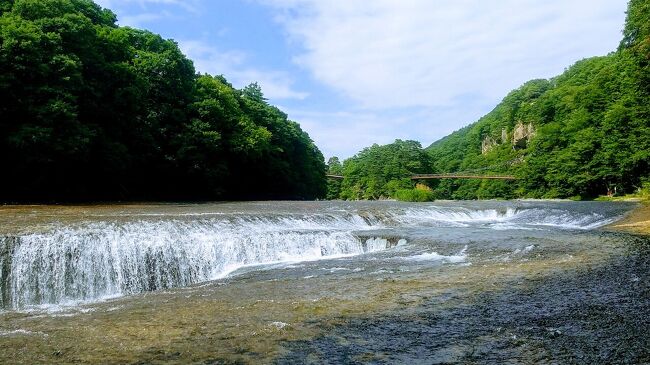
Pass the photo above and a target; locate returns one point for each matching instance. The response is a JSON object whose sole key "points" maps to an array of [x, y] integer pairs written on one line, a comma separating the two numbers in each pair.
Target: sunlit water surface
{"points": [[297, 282]]}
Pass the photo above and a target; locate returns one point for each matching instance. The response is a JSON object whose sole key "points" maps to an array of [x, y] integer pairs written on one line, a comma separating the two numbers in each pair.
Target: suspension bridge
{"points": [[462, 176], [467, 174], [444, 176]]}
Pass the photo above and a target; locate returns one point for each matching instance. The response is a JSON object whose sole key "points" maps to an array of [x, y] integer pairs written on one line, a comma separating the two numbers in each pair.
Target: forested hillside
{"points": [[378, 172], [581, 134], [93, 111]]}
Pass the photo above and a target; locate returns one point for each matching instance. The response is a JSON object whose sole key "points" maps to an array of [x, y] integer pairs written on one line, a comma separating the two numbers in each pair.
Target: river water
{"points": [[323, 282]]}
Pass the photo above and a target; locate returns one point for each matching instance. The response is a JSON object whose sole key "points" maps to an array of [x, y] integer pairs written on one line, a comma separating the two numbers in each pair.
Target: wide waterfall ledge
{"points": [[112, 253]]}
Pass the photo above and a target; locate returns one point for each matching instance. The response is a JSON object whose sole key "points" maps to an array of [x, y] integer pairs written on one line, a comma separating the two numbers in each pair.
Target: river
{"points": [[323, 282]]}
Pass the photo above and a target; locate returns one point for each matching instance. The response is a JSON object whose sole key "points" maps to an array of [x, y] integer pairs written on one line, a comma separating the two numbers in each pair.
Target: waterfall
{"points": [[104, 259], [108, 256]]}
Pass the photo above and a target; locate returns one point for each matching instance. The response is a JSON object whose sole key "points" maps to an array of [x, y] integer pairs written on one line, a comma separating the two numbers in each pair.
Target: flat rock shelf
{"points": [[323, 282]]}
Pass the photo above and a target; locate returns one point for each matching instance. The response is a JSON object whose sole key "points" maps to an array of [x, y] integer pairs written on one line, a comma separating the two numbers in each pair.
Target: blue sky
{"points": [[355, 72]]}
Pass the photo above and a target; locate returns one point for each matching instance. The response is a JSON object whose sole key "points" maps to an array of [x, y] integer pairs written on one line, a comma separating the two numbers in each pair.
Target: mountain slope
{"points": [[583, 133]]}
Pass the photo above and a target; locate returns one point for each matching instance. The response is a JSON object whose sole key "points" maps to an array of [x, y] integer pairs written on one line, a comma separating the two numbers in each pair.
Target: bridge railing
{"points": [[462, 176], [445, 176]]}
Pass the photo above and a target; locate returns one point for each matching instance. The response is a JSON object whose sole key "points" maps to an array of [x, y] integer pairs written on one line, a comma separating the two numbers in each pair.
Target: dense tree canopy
{"points": [[379, 171], [592, 129], [334, 168], [581, 134], [93, 111]]}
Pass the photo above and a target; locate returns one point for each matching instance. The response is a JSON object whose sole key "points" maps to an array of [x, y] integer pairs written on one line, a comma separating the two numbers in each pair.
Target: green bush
{"points": [[644, 191], [414, 195]]}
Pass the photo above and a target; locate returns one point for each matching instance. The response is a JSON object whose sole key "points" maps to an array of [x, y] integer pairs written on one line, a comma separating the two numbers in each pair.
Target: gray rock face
{"points": [[522, 135], [7, 245], [488, 144]]}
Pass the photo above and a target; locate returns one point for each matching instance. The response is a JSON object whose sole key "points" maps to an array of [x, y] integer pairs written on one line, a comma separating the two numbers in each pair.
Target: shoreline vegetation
{"points": [[95, 112], [580, 135]]}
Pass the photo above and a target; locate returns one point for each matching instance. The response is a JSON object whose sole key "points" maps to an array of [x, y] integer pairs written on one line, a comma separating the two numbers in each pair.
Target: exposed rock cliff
{"points": [[488, 144], [522, 135]]}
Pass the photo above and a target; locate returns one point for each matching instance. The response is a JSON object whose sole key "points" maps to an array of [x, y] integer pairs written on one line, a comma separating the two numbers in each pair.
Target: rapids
{"points": [[73, 255], [323, 282]]}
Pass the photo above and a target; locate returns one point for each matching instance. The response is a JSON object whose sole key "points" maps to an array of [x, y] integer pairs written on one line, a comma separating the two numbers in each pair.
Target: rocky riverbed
{"points": [[472, 282]]}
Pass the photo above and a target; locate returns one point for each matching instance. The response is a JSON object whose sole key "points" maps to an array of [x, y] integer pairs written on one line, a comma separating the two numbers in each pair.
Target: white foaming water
{"points": [[21, 332], [454, 216], [524, 250], [434, 256], [107, 259], [375, 244], [563, 219], [509, 218], [100, 259]]}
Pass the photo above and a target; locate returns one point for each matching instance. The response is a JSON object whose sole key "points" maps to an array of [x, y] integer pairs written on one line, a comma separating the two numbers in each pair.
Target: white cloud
{"points": [[189, 5], [344, 133], [410, 69], [147, 11], [231, 64], [422, 53]]}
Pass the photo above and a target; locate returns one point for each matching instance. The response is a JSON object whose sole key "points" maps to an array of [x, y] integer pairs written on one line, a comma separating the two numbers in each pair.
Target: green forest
{"points": [[378, 172], [579, 135], [93, 111]]}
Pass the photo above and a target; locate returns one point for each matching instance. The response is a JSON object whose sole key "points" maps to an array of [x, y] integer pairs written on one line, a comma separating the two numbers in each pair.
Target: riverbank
{"points": [[322, 282], [638, 221]]}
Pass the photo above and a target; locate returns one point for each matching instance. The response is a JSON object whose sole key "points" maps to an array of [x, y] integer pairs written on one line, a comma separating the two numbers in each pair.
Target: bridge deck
{"points": [[454, 176], [446, 176]]}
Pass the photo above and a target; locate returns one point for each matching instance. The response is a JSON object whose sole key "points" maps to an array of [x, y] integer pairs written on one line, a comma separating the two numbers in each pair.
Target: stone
{"points": [[522, 135], [488, 144]]}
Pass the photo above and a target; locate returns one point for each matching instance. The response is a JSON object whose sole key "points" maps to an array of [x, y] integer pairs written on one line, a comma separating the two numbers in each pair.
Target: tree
{"points": [[93, 111], [334, 167], [378, 172]]}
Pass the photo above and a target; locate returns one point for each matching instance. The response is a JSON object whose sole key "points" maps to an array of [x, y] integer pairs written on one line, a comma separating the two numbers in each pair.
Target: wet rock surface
{"points": [[454, 282], [595, 315]]}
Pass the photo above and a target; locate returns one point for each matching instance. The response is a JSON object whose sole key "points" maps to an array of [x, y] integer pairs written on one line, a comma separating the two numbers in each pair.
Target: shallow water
{"points": [[323, 282]]}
